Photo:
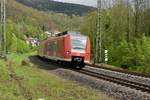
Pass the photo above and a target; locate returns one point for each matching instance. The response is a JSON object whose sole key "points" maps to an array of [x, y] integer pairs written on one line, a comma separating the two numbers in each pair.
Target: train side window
{"points": [[52, 47], [49, 47]]}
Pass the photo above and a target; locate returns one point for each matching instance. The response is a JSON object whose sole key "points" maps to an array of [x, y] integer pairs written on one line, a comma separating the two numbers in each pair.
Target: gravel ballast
{"points": [[108, 88], [112, 89], [129, 77]]}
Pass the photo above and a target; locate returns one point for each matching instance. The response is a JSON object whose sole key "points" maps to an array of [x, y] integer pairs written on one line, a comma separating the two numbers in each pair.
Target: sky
{"points": [[84, 2]]}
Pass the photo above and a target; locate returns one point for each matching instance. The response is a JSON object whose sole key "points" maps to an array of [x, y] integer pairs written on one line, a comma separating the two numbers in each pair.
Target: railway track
{"points": [[108, 77], [124, 82], [120, 71]]}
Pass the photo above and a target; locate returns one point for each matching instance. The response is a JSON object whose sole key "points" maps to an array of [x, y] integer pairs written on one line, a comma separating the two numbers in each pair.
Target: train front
{"points": [[80, 50]]}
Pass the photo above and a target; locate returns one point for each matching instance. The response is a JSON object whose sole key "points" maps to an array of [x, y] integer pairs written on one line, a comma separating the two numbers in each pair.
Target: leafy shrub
{"points": [[19, 45], [130, 54]]}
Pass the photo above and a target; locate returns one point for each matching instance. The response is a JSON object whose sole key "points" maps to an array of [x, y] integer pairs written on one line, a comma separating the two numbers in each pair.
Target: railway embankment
{"points": [[22, 80], [112, 89], [116, 90]]}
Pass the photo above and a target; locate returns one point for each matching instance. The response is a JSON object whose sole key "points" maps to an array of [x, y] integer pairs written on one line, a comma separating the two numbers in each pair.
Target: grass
{"points": [[109, 66], [39, 83], [134, 69]]}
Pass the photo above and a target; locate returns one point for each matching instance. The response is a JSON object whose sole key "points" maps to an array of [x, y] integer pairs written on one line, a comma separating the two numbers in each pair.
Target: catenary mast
{"points": [[3, 28], [98, 33]]}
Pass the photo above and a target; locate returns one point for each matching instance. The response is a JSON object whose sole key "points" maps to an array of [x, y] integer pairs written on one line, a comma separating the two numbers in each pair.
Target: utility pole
{"points": [[3, 28], [98, 33], [128, 20], [1, 32]]}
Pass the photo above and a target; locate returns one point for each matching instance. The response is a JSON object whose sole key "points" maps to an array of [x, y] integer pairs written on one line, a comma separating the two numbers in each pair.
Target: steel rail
{"points": [[119, 81], [120, 71], [123, 82]]}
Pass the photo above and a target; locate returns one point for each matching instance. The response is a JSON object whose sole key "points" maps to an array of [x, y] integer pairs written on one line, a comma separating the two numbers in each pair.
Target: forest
{"points": [[24, 22], [125, 29], [59, 7]]}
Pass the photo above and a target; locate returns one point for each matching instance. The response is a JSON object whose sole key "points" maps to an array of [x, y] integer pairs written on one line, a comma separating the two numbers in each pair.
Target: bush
{"points": [[120, 55], [135, 55], [19, 45]]}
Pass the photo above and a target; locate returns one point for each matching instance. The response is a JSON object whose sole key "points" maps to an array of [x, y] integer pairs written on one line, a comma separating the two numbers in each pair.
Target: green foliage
{"points": [[28, 18], [66, 22], [16, 37], [136, 56], [119, 53], [19, 45], [42, 37], [38, 85], [23, 22], [31, 22], [125, 34]]}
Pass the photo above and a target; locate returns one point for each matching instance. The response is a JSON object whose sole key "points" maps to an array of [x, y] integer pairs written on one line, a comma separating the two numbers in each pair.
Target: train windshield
{"points": [[78, 43]]}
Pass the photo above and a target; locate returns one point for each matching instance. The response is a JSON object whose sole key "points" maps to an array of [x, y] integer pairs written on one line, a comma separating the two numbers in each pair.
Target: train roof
{"points": [[72, 33]]}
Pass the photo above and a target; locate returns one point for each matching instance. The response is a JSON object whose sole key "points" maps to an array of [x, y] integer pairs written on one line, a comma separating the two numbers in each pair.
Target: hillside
{"points": [[31, 17], [24, 21], [19, 13], [49, 5]]}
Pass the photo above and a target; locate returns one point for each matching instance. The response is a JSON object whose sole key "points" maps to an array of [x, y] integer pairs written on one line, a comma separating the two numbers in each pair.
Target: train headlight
{"points": [[68, 52]]}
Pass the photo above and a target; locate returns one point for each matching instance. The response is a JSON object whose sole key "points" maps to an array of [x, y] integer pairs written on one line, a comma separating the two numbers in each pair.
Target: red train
{"points": [[69, 47]]}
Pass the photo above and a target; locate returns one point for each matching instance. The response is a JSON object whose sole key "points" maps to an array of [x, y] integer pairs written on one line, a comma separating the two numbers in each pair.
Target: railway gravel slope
{"points": [[112, 89], [129, 77]]}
